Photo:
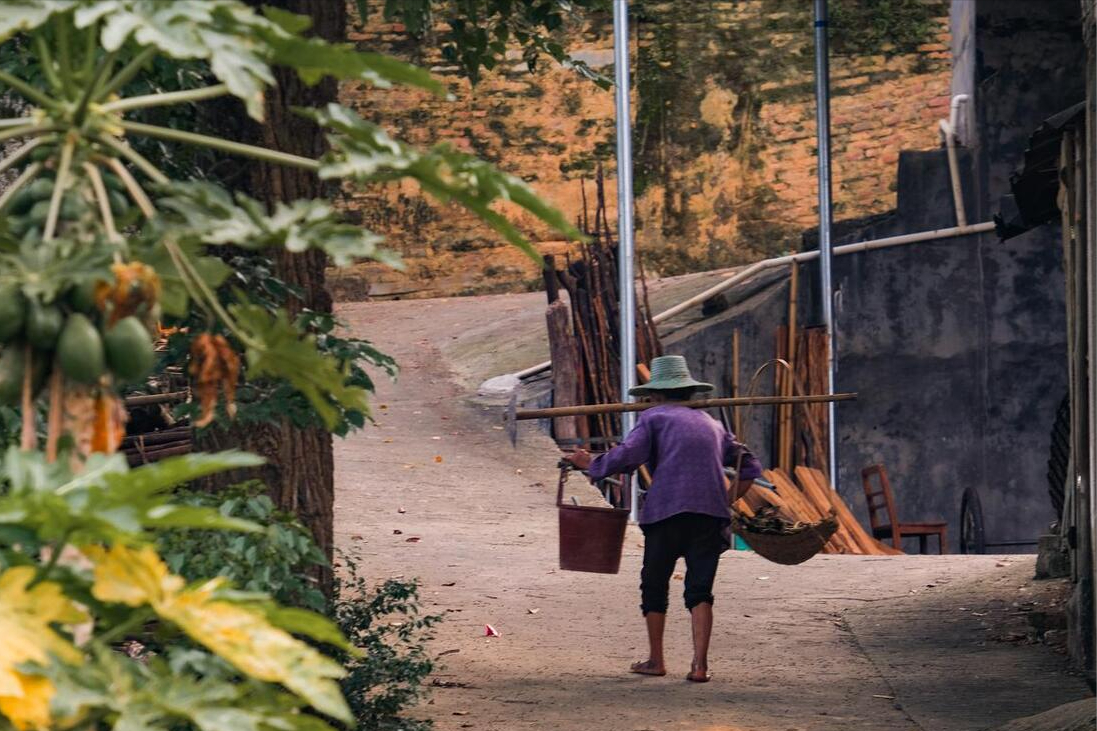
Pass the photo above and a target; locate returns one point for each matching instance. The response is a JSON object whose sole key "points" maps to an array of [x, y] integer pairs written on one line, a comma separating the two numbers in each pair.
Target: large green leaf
{"points": [[154, 696], [284, 353], [150, 249], [363, 151], [44, 270], [20, 16], [211, 215], [315, 59], [240, 44], [107, 501]]}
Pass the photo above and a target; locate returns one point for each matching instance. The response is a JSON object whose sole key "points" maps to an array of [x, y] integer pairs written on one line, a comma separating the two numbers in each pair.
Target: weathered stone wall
{"points": [[724, 138]]}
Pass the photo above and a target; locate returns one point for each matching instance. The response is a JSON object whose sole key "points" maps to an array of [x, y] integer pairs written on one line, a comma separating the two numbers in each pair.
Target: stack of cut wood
{"points": [[152, 432], [155, 446], [809, 500], [584, 333]]}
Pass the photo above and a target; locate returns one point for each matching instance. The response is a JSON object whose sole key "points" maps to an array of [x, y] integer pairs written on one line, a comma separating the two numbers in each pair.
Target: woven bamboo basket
{"points": [[794, 544], [788, 548]]}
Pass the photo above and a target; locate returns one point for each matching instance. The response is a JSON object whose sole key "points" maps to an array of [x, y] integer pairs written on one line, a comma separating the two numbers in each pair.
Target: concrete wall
{"points": [[957, 347]]}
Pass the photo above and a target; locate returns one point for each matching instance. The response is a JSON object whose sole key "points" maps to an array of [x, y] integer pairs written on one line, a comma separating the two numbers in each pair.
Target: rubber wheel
{"points": [[972, 531], [1059, 455]]}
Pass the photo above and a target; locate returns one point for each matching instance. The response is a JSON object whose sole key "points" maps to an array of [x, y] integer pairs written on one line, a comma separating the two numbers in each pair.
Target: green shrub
{"points": [[384, 621], [278, 561]]}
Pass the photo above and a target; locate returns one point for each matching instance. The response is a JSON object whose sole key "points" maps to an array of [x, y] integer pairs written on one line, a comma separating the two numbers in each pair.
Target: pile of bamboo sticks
{"points": [[810, 499], [584, 333], [800, 430]]}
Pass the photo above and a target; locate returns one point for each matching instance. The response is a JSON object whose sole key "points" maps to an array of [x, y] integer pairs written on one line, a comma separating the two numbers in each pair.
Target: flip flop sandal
{"points": [[644, 668], [693, 677]]}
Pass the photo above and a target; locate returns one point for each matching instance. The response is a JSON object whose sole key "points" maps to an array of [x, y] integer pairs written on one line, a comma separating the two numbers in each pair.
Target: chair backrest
{"points": [[879, 498]]}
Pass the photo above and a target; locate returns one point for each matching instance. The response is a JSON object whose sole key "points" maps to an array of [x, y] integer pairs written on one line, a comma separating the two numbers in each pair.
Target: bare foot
{"points": [[699, 675], [647, 667]]}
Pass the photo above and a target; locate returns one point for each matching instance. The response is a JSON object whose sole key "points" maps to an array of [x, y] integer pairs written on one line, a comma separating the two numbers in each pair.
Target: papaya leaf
{"points": [[211, 215], [364, 152], [44, 270], [174, 296], [238, 634], [152, 695], [239, 44], [108, 501], [21, 16], [286, 354], [315, 59], [308, 624]]}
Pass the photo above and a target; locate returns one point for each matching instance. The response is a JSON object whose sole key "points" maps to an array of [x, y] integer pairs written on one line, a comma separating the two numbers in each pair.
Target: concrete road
{"points": [[837, 643]]}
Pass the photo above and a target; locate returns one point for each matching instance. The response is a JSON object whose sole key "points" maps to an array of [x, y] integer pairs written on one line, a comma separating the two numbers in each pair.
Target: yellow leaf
{"points": [[236, 633], [30, 709], [25, 618], [257, 648], [131, 577]]}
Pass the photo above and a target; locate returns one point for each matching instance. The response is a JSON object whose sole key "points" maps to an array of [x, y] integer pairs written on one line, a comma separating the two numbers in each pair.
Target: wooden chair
{"points": [[880, 498]]}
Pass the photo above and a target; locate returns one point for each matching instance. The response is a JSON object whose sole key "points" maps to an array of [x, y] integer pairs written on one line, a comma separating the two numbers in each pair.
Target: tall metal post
{"points": [[826, 284], [624, 219]]}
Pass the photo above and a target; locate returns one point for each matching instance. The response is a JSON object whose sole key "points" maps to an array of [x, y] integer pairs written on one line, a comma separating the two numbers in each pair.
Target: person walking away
{"points": [[685, 512]]}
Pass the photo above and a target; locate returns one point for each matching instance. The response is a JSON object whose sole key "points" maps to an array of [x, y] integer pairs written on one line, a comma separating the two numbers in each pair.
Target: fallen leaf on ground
{"points": [[357, 538], [533, 611], [397, 532], [490, 631], [386, 441], [413, 539], [885, 697], [763, 578], [677, 577], [460, 713], [438, 459], [401, 510], [450, 583]]}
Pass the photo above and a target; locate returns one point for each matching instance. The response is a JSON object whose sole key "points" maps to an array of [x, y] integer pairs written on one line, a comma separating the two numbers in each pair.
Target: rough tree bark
{"points": [[300, 468]]}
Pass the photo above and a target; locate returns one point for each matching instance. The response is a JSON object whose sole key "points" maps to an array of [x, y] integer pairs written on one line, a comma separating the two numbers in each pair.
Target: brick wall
{"points": [[724, 140]]}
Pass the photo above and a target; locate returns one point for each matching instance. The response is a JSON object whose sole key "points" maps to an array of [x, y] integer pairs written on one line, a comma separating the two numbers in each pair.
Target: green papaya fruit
{"points": [[42, 153], [11, 375], [18, 226], [128, 345], [80, 350], [41, 189], [44, 324], [113, 182], [73, 206], [13, 313], [82, 296], [38, 213], [119, 204], [20, 203]]}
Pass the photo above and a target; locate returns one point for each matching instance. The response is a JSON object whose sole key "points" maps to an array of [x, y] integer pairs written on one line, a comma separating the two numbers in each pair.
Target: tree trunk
{"points": [[300, 468]]}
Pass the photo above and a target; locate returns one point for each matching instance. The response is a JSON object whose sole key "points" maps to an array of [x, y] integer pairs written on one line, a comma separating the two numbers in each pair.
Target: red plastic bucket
{"points": [[591, 537]]}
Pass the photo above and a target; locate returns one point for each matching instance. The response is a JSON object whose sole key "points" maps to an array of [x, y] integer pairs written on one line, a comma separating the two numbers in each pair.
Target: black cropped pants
{"points": [[695, 537]]}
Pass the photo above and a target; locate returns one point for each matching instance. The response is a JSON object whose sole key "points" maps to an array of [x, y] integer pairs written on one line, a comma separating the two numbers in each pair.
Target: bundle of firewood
{"points": [[583, 332], [810, 500]]}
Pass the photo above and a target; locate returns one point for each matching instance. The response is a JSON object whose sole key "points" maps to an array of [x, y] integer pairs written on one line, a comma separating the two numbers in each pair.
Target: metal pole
{"points": [[826, 284], [624, 220]]}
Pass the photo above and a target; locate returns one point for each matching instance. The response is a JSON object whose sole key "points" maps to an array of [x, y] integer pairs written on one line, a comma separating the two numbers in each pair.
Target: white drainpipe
{"points": [[948, 132], [783, 261]]}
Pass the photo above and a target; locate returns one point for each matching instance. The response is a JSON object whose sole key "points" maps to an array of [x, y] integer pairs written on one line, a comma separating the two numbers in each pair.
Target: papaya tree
{"points": [[99, 248]]}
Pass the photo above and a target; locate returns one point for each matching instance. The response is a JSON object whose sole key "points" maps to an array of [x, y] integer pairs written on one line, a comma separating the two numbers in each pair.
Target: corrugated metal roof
{"points": [[1035, 185]]}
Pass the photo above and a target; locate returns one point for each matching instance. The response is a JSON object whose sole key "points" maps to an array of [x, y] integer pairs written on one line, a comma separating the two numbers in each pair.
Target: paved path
{"points": [[837, 643]]}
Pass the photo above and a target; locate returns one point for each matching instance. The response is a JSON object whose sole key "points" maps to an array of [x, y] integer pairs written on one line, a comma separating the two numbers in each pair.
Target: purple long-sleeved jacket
{"points": [[685, 450]]}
